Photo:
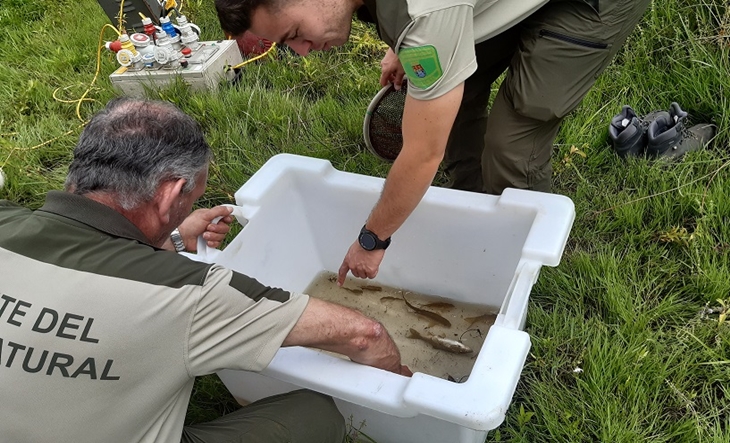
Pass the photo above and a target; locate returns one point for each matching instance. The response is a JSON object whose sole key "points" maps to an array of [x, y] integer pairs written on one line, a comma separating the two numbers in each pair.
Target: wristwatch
{"points": [[177, 240], [370, 242]]}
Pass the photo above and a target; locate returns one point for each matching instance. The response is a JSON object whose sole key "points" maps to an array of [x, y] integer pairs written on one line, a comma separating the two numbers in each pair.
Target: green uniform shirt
{"points": [[434, 39], [101, 334]]}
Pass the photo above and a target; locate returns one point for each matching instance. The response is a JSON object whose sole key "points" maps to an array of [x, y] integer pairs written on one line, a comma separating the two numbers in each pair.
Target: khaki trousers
{"points": [[295, 417], [552, 59]]}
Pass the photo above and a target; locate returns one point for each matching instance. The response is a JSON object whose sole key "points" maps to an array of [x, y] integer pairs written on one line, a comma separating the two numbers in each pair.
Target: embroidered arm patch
{"points": [[422, 65]]}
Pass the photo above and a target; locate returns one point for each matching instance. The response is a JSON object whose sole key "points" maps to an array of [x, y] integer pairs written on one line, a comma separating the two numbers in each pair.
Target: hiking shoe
{"points": [[668, 137], [627, 133]]}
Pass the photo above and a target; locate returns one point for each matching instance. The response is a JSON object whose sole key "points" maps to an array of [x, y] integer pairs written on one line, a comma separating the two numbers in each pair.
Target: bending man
{"points": [[451, 52]]}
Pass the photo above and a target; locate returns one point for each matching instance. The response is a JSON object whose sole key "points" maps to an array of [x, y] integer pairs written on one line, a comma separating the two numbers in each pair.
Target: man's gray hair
{"points": [[133, 146]]}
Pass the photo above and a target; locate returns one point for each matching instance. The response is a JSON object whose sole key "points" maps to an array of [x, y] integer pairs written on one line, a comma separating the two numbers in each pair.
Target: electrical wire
{"points": [[258, 57], [121, 16], [77, 101], [40, 145], [84, 98], [96, 74]]}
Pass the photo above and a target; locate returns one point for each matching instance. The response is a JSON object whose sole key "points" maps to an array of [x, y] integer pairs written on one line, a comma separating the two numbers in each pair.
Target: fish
{"points": [[354, 291], [441, 305], [445, 344], [486, 318], [428, 314], [388, 298], [371, 288]]}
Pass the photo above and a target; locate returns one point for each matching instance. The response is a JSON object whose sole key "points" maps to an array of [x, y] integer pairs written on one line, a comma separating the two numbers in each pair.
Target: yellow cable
{"points": [[14, 149], [96, 75], [77, 101], [273, 46], [83, 96], [121, 16]]}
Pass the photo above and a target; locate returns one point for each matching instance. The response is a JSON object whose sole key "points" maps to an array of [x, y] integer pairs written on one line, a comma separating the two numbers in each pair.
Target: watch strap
{"points": [[177, 240], [379, 244]]}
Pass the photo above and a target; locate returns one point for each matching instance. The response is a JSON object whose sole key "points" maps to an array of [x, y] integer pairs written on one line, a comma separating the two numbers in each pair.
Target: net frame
{"points": [[385, 109]]}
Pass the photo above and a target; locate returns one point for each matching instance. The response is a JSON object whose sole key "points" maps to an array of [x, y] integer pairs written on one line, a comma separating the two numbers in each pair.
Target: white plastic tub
{"points": [[302, 217]]}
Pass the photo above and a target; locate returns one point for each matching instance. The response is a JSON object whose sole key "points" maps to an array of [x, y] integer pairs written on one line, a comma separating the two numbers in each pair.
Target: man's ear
{"points": [[167, 196]]}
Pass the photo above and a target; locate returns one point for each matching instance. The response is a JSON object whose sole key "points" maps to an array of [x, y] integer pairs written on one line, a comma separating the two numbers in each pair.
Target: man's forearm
{"points": [[336, 328], [426, 128], [407, 182]]}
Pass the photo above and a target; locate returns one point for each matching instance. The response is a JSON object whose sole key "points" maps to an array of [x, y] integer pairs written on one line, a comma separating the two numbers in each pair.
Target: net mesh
{"points": [[384, 128]]}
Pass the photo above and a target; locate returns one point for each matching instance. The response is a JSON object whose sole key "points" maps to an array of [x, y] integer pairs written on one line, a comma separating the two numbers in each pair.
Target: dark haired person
{"points": [[103, 330], [452, 52]]}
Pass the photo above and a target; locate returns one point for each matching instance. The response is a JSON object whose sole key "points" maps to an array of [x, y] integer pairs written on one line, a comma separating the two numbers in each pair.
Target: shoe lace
{"points": [[686, 133]]}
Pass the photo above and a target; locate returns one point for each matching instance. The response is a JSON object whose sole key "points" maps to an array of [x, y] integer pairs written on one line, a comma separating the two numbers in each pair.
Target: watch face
{"points": [[367, 241]]}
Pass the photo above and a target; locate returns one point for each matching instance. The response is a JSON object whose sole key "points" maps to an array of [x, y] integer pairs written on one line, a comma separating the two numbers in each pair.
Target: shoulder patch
{"points": [[422, 65]]}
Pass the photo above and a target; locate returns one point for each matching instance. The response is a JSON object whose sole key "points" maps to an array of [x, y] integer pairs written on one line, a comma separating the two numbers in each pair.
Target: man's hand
{"points": [[336, 328], [362, 263], [199, 222], [391, 70]]}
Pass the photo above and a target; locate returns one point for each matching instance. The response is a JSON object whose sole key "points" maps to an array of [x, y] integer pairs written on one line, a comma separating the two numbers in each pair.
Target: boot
{"points": [[628, 135], [668, 137], [628, 132]]}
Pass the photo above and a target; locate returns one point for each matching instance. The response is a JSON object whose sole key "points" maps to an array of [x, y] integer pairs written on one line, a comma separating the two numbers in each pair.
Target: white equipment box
{"points": [[206, 67]]}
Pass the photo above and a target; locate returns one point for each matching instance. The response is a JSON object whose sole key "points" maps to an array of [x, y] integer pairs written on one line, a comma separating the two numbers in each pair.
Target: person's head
{"points": [[133, 149], [303, 25]]}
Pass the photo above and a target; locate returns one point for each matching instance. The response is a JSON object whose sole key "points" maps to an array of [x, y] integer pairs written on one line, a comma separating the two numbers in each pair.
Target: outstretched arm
{"points": [[426, 128], [336, 328]]}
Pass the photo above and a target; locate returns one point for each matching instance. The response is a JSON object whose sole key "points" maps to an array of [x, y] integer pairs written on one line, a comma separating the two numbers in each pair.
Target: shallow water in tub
{"points": [[469, 323]]}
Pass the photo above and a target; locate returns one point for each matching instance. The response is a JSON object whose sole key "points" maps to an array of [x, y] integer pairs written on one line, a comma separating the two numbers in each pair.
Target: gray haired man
{"points": [[103, 330]]}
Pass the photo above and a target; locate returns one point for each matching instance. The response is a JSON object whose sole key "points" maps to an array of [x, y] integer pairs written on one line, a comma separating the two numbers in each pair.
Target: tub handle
{"points": [[519, 294], [205, 252]]}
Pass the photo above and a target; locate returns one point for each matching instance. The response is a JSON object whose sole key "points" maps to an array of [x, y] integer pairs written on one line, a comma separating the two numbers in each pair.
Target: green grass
{"points": [[629, 338]]}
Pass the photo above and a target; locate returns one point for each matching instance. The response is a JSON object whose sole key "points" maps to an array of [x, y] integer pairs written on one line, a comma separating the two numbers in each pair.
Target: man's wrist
{"points": [[370, 241], [177, 240]]}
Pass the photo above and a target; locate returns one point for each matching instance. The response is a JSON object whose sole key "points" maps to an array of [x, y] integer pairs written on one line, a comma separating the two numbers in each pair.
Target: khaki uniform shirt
{"points": [[101, 334], [434, 39]]}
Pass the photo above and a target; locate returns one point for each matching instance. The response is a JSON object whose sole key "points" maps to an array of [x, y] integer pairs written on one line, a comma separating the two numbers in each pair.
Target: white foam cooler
{"points": [[302, 216]]}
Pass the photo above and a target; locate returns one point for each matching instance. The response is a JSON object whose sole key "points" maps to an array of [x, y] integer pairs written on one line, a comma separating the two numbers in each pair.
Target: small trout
{"points": [[428, 314], [371, 288], [353, 290], [442, 343], [486, 318], [440, 305]]}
